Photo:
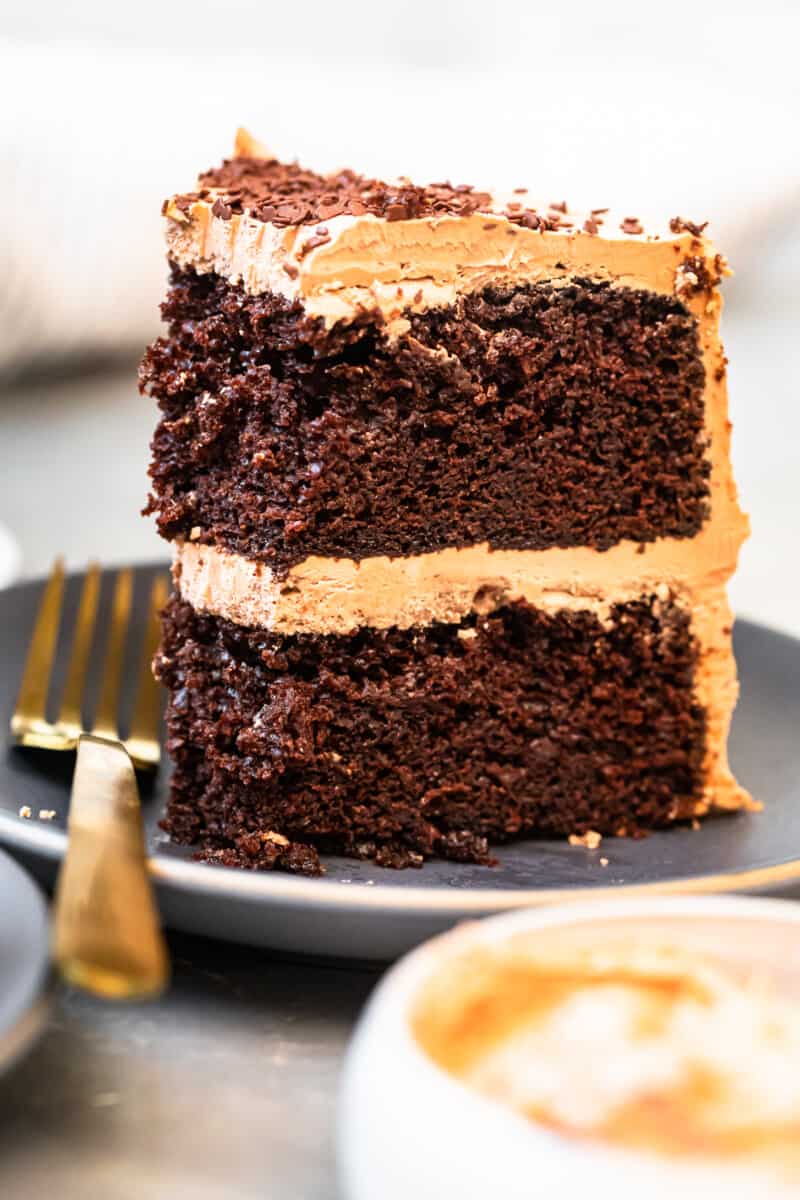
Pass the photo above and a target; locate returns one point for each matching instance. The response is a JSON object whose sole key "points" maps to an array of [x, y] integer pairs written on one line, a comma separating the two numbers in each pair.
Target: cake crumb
{"points": [[47, 814], [695, 824], [194, 533], [467, 635], [25, 812], [603, 862], [591, 839], [277, 839]]}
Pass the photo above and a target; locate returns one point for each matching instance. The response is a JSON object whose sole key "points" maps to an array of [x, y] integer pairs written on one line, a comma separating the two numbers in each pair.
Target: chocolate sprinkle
{"points": [[681, 225], [528, 218], [320, 238]]}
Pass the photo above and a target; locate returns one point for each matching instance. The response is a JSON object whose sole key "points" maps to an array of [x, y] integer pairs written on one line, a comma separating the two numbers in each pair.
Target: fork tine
{"points": [[69, 716], [105, 722], [31, 707], [143, 740]]}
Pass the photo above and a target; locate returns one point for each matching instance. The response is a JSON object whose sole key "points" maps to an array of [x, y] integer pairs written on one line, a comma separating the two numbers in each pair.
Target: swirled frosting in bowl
{"points": [[643, 1047]]}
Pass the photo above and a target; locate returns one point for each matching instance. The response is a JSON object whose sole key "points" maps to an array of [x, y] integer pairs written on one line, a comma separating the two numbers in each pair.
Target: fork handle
{"points": [[107, 935]]}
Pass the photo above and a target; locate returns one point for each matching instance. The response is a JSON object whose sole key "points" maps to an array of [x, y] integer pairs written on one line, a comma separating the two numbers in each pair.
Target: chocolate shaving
{"points": [[320, 238], [681, 225], [631, 225], [529, 219], [183, 203]]}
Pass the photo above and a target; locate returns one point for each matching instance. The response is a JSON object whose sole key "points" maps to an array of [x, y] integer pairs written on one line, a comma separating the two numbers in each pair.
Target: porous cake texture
{"points": [[448, 483]]}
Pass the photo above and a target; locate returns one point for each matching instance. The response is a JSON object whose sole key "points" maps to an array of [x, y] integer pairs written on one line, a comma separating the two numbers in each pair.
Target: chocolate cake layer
{"points": [[404, 744], [545, 415]]}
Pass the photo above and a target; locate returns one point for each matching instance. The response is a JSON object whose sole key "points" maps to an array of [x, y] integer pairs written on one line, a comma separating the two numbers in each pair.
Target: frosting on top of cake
{"points": [[343, 244]]}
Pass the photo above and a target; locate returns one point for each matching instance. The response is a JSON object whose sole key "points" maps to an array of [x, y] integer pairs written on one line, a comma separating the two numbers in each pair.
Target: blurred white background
{"points": [[105, 109]]}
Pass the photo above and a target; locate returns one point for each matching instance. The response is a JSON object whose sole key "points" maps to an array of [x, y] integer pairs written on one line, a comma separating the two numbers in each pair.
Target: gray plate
{"points": [[361, 911], [23, 959]]}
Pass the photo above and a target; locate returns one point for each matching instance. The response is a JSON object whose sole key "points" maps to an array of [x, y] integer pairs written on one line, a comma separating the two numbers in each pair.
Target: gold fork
{"points": [[106, 933]]}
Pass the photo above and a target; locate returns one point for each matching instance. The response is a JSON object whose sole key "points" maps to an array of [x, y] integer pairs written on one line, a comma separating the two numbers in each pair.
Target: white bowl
{"points": [[409, 1131]]}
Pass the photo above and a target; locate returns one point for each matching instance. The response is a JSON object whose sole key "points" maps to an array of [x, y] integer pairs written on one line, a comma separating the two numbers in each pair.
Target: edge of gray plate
{"points": [[24, 960]]}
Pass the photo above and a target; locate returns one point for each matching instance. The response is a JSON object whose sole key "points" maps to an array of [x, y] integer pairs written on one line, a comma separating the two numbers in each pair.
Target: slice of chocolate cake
{"points": [[448, 482]]}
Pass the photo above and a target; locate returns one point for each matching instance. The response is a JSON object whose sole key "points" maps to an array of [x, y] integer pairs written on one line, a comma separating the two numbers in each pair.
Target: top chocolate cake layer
{"points": [[528, 418]]}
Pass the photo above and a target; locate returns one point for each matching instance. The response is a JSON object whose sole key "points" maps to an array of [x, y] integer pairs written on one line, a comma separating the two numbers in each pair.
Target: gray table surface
{"points": [[226, 1087]]}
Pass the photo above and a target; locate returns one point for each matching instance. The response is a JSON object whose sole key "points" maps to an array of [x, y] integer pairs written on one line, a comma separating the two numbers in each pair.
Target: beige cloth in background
{"points": [[95, 129]]}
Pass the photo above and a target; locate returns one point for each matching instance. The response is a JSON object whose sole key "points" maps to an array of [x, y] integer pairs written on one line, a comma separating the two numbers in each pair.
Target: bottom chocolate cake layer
{"points": [[400, 745]]}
